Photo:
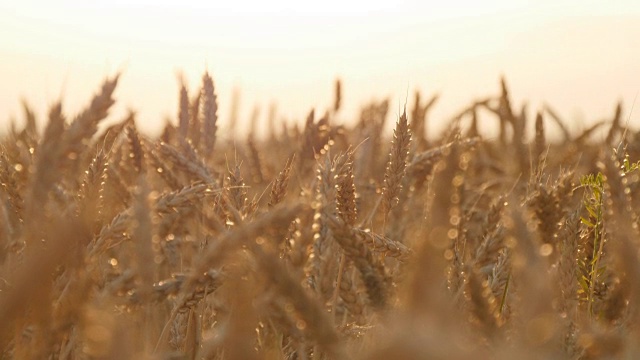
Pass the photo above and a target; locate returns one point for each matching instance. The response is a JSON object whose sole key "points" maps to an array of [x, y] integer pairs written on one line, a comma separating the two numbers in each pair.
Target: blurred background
{"points": [[581, 57]]}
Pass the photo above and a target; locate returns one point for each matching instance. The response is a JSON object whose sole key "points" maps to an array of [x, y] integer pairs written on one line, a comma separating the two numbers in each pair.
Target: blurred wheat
{"points": [[327, 241]]}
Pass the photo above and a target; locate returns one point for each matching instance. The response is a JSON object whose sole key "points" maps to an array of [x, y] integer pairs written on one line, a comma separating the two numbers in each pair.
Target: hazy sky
{"points": [[579, 56]]}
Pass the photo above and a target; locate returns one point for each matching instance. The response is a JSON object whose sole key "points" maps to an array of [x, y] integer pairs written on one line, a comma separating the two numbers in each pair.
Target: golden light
{"points": [[580, 56]]}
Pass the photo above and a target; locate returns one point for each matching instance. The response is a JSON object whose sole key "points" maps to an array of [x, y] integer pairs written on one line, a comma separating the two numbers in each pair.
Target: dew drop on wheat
{"points": [[546, 250], [288, 307], [448, 254], [563, 314]]}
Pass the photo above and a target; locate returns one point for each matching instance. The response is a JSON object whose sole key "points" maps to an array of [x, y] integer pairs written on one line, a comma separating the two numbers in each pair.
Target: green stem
{"points": [[598, 246], [503, 300]]}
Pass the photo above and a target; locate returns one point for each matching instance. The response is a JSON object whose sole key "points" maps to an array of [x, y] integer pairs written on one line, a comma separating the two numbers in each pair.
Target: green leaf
{"points": [[586, 222], [583, 281]]}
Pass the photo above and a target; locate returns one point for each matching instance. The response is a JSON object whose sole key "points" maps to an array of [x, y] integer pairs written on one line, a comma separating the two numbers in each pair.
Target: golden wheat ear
{"points": [[120, 245], [209, 116], [279, 187], [397, 164]]}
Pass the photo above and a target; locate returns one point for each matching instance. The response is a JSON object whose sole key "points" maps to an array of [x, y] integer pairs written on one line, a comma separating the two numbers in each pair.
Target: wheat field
{"points": [[324, 240]]}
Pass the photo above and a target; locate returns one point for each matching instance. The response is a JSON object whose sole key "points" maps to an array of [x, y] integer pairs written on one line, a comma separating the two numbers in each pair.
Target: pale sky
{"points": [[579, 56]]}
